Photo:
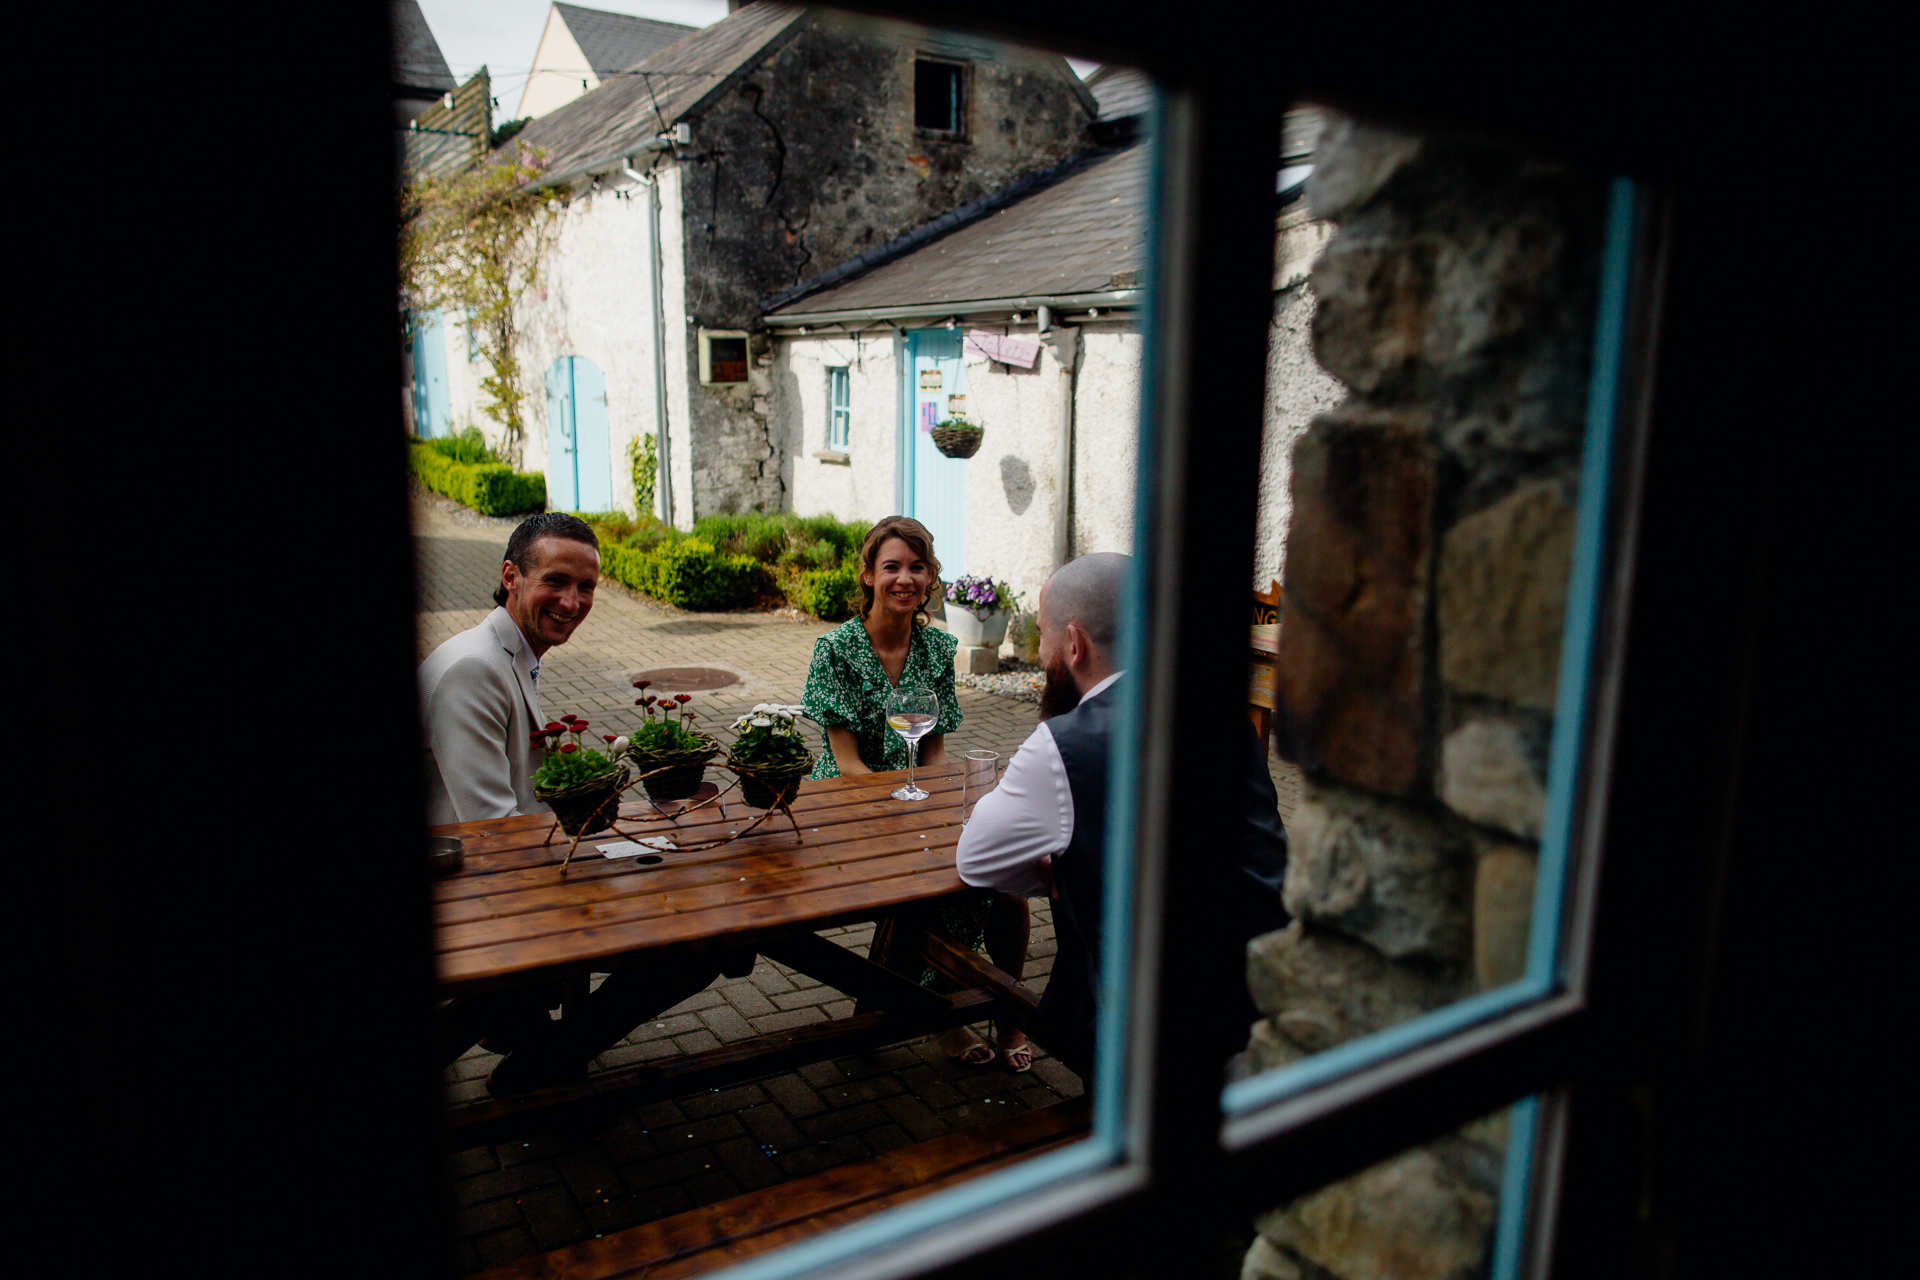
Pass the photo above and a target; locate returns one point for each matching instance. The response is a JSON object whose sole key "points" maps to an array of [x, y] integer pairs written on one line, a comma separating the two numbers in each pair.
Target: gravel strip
{"points": [[1018, 680]]}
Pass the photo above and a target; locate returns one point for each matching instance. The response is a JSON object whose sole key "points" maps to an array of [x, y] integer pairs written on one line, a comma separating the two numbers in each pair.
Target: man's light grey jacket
{"points": [[478, 706]]}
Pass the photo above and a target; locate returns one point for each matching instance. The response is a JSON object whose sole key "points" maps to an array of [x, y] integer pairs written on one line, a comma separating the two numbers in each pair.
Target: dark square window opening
{"points": [[937, 96], [728, 359]]}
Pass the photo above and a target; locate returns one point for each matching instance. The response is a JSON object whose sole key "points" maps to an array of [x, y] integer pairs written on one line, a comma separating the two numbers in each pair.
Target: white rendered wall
{"points": [[864, 487], [558, 68], [1106, 439], [1014, 486]]}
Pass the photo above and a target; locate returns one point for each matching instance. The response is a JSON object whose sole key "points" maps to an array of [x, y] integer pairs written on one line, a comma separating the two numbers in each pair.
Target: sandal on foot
{"points": [[1019, 1058], [977, 1054]]}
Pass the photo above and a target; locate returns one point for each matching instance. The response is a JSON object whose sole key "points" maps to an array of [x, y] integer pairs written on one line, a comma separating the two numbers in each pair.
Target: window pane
{"points": [[1434, 476]]}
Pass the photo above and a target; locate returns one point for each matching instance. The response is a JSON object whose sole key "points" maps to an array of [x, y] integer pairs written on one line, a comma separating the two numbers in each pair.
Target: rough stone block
{"points": [[1264, 1262], [1502, 914], [1319, 989], [1351, 663], [1426, 1214], [976, 659], [1493, 773], [1352, 162], [1383, 872], [1503, 596]]}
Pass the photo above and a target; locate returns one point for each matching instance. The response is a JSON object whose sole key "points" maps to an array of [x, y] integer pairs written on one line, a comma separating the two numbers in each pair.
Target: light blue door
{"points": [[563, 486], [937, 485], [432, 411], [592, 450], [579, 450]]}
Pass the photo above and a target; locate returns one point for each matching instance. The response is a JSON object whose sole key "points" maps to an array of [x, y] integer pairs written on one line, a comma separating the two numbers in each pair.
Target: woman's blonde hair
{"points": [[915, 535]]}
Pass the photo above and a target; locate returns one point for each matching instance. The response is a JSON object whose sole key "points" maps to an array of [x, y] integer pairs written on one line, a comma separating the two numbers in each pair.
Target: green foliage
{"points": [[644, 457], [959, 424], [732, 560], [570, 768], [507, 130], [472, 243], [825, 593], [466, 445], [491, 488], [664, 735], [766, 748]]}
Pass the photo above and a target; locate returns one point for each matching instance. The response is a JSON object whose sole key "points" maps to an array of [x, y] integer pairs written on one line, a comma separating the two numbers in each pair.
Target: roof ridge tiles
{"points": [[945, 224]]}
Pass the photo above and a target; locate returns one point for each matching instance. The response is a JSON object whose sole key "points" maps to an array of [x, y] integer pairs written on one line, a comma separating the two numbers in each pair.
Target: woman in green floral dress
{"points": [[888, 644]]}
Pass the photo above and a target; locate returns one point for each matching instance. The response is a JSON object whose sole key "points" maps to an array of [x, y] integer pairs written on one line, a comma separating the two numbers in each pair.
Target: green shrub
{"points": [[491, 488], [690, 573], [825, 593], [466, 445]]}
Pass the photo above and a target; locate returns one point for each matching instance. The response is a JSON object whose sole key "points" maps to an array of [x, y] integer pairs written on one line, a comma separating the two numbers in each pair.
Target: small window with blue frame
{"points": [[839, 410]]}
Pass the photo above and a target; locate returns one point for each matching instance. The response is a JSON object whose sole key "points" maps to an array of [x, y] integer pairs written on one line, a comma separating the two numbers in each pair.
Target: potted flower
{"points": [[770, 755], [581, 785], [668, 741], [984, 607], [958, 438]]}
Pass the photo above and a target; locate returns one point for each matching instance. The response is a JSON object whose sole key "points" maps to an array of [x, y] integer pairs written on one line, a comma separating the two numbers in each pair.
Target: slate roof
{"points": [[646, 100], [417, 60], [1074, 235], [1121, 91], [615, 41]]}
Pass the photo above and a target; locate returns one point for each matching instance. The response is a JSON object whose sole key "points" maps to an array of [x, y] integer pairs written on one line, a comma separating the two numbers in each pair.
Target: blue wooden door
{"points": [[592, 450], [937, 487], [432, 411], [563, 486]]}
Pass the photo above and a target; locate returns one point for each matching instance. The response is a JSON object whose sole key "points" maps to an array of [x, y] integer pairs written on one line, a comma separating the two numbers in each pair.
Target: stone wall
{"points": [[1430, 534]]}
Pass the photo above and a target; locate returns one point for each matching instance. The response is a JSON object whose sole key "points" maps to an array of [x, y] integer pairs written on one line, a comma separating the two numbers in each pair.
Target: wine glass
{"points": [[912, 713]]}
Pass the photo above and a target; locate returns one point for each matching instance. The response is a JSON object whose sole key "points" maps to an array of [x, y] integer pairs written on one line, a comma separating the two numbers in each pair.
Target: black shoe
{"points": [[527, 1071]]}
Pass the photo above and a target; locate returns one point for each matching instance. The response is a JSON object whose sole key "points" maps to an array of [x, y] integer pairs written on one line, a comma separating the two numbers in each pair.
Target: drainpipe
{"points": [[664, 458], [1065, 344]]}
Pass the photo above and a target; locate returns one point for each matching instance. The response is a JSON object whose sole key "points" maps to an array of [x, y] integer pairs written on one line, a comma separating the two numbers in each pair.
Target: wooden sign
{"points": [[929, 379]]}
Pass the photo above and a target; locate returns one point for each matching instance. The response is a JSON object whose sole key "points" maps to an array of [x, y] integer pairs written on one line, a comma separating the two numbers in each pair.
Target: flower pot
{"points": [[772, 788], [957, 443], [586, 807], [970, 629], [681, 772]]}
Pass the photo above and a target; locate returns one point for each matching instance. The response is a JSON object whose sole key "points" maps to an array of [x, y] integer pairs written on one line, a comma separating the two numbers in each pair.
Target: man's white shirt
{"points": [[1028, 817]]}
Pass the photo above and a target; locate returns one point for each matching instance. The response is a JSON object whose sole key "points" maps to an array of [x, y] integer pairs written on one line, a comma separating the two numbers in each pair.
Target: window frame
{"points": [[1162, 1144], [962, 95], [839, 408]]}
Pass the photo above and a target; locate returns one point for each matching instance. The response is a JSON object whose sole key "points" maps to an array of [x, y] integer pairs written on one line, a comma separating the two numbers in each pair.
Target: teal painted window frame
{"points": [[839, 407]]}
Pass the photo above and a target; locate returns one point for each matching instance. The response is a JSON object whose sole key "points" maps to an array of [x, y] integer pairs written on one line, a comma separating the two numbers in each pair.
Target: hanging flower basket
{"points": [[685, 769], [586, 807], [957, 438]]}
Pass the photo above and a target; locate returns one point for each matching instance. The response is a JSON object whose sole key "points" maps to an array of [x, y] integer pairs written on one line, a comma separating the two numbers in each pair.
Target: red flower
{"points": [[609, 737], [569, 718], [639, 702], [537, 737], [683, 697], [579, 726], [565, 747], [553, 726], [642, 684]]}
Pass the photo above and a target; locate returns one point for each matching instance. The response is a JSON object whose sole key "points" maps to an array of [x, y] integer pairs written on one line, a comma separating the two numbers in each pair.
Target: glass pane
{"points": [[1453, 1207], [1440, 379], [682, 1027]]}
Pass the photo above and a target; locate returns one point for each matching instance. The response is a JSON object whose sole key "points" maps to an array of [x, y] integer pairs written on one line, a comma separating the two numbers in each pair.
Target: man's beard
{"points": [[1059, 694]]}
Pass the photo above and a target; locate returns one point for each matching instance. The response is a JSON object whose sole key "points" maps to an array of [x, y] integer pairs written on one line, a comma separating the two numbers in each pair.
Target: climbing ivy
{"points": [[472, 242], [644, 457]]}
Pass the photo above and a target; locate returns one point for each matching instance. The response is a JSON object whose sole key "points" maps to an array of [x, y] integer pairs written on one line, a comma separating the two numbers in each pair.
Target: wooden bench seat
{"points": [[703, 1240]]}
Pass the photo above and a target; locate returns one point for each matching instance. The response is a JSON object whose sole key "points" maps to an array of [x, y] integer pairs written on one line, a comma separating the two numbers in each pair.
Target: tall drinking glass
{"points": [[912, 713], [979, 772]]}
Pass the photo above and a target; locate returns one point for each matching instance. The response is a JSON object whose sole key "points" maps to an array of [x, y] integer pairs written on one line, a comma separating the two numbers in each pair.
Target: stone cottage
{"points": [[714, 174], [1021, 312]]}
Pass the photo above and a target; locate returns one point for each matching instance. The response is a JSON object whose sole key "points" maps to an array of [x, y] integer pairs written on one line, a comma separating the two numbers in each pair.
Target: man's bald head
{"points": [[1086, 593]]}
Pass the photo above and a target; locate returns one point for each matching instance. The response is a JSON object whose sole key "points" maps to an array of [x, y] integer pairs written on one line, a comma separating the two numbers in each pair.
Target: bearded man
{"points": [[1042, 831]]}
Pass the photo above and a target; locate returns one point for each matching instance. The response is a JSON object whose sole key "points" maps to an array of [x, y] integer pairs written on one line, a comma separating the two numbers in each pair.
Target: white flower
{"points": [[762, 722], [619, 745]]}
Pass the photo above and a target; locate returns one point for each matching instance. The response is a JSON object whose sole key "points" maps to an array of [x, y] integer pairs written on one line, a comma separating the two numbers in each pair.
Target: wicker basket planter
{"points": [[773, 787], [586, 807], [958, 442], [685, 770]]}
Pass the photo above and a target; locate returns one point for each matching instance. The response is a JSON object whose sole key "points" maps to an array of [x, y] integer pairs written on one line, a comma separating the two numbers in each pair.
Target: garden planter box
{"points": [[970, 630]]}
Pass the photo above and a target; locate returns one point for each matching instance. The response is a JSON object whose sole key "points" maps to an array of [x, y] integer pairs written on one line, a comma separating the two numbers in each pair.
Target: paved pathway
{"points": [[559, 1185]]}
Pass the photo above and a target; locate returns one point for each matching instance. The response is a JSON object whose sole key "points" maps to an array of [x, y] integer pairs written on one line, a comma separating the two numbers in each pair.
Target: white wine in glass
{"points": [[912, 713]]}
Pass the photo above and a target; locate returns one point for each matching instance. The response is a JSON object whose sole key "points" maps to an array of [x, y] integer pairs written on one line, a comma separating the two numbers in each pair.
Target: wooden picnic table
{"points": [[510, 917]]}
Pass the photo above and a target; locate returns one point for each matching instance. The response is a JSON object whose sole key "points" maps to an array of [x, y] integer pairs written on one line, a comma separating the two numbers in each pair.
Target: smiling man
{"points": [[480, 691]]}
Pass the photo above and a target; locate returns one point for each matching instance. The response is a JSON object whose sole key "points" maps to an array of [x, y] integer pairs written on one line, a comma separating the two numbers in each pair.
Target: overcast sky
{"points": [[502, 35]]}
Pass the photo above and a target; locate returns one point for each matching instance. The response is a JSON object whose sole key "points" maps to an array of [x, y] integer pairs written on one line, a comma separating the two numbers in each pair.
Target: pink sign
{"points": [[1005, 349]]}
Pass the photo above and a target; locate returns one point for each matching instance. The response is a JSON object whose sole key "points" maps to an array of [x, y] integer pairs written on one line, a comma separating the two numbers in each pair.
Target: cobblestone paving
{"points": [[556, 1185]]}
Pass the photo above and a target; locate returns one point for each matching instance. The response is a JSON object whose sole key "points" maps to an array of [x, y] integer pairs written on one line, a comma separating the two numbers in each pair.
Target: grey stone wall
{"points": [[812, 159], [1428, 551]]}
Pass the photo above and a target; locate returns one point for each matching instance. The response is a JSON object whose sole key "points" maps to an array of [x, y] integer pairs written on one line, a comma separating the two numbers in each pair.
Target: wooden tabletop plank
{"points": [[510, 915]]}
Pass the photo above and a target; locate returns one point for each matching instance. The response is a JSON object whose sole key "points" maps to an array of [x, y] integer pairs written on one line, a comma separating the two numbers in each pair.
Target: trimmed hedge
{"points": [[825, 593], [491, 488], [689, 573]]}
